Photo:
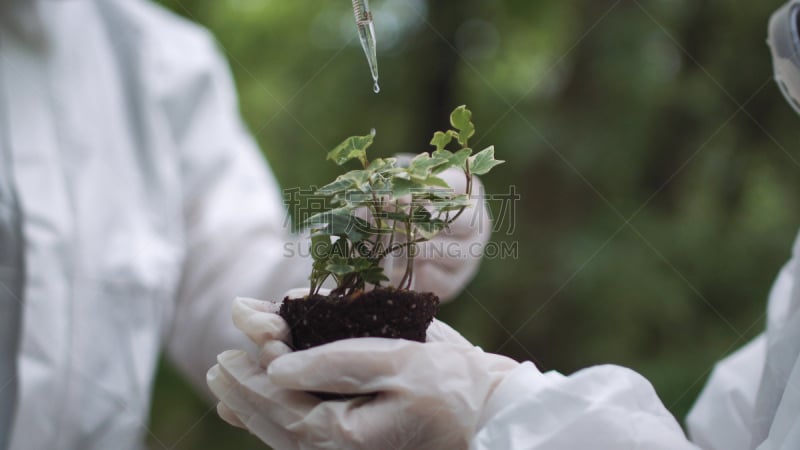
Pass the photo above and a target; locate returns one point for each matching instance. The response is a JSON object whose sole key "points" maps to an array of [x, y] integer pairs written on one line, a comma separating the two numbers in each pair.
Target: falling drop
{"points": [[366, 34]]}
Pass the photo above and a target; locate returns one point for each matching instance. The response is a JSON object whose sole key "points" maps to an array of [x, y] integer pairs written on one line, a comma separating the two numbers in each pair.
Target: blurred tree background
{"points": [[653, 154]]}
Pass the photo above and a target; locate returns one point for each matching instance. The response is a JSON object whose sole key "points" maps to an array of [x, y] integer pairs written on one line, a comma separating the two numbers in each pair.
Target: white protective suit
{"points": [[11, 281], [145, 208], [752, 400]]}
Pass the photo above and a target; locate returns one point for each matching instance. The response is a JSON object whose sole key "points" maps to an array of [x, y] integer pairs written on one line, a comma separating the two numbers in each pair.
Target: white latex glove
{"points": [[428, 396]]}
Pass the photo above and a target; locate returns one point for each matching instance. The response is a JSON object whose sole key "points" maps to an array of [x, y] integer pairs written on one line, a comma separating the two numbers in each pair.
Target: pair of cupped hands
{"points": [[393, 393]]}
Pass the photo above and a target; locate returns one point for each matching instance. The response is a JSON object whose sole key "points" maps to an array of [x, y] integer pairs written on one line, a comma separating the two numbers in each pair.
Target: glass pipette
{"points": [[366, 32]]}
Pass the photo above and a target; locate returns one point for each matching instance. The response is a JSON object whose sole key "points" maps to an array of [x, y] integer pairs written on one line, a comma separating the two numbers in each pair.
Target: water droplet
{"points": [[376, 88]]}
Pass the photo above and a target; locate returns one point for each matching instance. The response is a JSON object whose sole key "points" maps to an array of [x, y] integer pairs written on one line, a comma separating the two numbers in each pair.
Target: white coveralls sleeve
{"points": [[752, 399], [602, 408], [11, 282], [722, 418], [236, 240]]}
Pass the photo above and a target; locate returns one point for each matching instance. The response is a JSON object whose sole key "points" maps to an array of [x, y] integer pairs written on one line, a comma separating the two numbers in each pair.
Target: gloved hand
{"points": [[421, 396]]}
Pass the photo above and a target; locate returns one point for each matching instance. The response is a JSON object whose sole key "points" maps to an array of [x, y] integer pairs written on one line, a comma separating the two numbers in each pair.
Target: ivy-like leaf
{"points": [[382, 186], [483, 161], [340, 269], [429, 230], [423, 164], [339, 251], [402, 187], [420, 215], [441, 139], [452, 204], [340, 222], [374, 275], [457, 159], [361, 264], [335, 187], [381, 165], [435, 194], [429, 181], [355, 179], [461, 119], [320, 246], [442, 154], [322, 216], [363, 250], [318, 220], [359, 178], [355, 199], [354, 147]]}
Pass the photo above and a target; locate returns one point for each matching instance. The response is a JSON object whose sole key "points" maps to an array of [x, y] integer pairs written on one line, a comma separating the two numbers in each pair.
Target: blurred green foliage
{"points": [[654, 157]]}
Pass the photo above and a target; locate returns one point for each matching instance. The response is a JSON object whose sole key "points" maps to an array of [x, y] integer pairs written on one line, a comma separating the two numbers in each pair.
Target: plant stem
{"points": [[469, 191], [409, 259], [376, 206], [410, 264], [400, 246], [382, 255]]}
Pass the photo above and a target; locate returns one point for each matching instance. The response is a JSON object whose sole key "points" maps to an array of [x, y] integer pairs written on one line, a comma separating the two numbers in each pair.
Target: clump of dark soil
{"points": [[383, 312]]}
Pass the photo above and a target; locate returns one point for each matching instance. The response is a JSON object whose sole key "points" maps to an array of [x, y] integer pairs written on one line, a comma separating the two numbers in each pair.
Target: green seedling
{"points": [[383, 208]]}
